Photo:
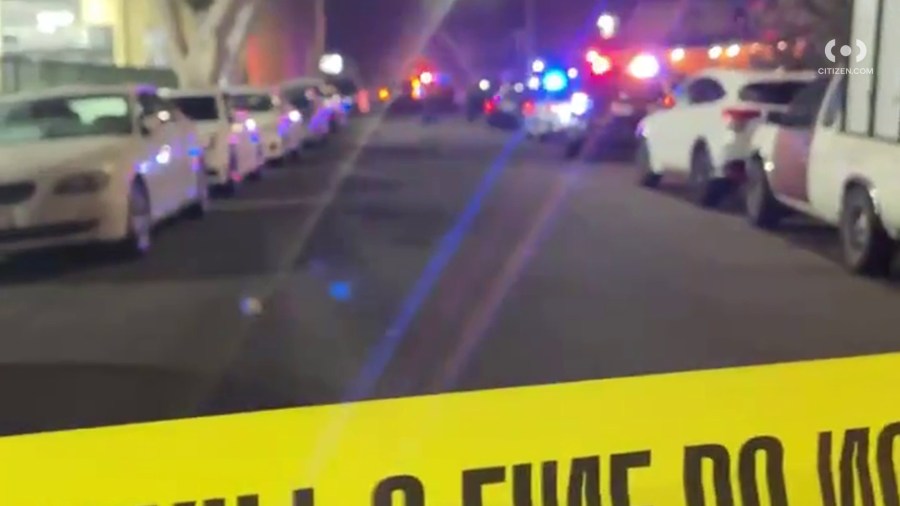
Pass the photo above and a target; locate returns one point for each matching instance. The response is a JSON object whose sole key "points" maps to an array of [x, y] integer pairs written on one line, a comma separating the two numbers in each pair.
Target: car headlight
{"points": [[80, 183]]}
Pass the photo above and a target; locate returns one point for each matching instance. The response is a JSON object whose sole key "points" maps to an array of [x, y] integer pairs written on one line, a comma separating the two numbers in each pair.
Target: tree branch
{"points": [[214, 17]]}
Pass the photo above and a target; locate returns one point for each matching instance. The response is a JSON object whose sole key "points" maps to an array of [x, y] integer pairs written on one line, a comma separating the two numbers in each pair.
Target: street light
{"points": [[538, 66], [608, 25], [331, 64]]}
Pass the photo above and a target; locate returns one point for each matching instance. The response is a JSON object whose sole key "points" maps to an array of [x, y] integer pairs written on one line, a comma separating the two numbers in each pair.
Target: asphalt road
{"points": [[403, 259]]}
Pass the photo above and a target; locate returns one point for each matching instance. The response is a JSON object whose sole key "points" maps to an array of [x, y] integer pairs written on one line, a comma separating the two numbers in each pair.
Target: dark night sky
{"points": [[371, 31]]}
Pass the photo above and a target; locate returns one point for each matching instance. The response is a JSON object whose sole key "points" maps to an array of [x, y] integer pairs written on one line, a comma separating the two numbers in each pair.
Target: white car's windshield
{"points": [[60, 117], [257, 102]]}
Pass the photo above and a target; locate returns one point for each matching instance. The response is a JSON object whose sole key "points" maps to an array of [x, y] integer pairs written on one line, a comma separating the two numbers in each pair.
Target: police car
{"points": [[619, 96], [558, 103]]}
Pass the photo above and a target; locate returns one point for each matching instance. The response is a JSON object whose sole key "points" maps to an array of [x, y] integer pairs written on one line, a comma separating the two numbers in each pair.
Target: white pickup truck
{"points": [[835, 154]]}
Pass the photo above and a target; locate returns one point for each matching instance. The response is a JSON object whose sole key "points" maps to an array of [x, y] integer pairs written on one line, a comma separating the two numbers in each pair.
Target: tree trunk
{"points": [[204, 46]]}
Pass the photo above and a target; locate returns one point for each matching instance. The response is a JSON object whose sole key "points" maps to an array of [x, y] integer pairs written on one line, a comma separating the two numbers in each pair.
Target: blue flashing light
{"points": [[340, 291], [554, 81]]}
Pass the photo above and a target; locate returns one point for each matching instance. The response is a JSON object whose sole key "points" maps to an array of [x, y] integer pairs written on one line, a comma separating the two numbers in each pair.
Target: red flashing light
{"points": [[528, 107]]}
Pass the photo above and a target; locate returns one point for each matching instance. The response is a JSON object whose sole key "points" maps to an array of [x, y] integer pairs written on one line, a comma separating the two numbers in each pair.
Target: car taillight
{"points": [[528, 107], [488, 106], [738, 119]]}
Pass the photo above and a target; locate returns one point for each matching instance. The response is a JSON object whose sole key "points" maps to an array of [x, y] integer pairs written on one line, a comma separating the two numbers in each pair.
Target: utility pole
{"points": [[530, 35], [319, 37]]}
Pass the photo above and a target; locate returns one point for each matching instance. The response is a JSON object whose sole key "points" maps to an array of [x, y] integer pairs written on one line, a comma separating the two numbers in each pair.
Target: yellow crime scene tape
{"points": [[812, 433]]}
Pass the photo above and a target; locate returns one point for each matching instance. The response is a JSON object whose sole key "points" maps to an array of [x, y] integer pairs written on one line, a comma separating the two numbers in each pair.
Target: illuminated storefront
{"points": [[121, 32]]}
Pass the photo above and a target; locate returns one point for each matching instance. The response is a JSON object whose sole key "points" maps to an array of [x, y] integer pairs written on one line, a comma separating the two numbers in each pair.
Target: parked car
{"points": [[508, 108], [705, 132], [95, 164], [320, 113], [277, 125], [232, 150]]}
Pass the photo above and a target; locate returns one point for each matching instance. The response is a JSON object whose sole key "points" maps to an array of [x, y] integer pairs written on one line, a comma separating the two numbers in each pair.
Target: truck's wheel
{"points": [[646, 176], [706, 190], [762, 208], [868, 249]]}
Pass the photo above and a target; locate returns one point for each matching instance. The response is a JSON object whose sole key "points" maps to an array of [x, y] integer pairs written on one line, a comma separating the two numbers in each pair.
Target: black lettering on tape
{"points": [[549, 491], [474, 479], [886, 467], [693, 475], [244, 500], [409, 486], [521, 478], [584, 482], [304, 497], [774, 454], [852, 468], [619, 465]]}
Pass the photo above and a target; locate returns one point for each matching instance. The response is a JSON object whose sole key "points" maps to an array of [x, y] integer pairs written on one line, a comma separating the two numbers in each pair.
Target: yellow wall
{"points": [[130, 19]]}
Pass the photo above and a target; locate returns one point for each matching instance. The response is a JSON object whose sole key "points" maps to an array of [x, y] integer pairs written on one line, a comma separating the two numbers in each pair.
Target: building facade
{"points": [[115, 32], [286, 40]]}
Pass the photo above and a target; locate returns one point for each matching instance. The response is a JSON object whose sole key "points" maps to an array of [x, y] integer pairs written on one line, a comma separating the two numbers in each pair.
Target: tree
{"points": [[206, 37], [811, 22]]}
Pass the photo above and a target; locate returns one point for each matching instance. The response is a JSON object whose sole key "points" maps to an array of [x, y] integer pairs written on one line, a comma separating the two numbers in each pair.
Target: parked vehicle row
{"points": [[105, 164], [784, 141]]}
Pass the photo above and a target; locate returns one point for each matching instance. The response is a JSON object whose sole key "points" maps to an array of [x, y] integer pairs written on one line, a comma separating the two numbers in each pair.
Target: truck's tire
{"points": [[706, 190], [646, 177], [867, 247], [760, 205]]}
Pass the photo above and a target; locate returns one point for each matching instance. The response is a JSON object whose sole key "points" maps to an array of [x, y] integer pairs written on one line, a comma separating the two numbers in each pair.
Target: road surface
{"points": [[403, 260]]}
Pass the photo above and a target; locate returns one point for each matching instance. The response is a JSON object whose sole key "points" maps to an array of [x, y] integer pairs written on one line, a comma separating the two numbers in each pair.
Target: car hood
{"points": [[33, 158]]}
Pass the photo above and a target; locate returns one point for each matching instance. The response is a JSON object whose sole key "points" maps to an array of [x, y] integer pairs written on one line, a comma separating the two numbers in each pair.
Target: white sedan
{"points": [[705, 134], [278, 124], [95, 164], [232, 151]]}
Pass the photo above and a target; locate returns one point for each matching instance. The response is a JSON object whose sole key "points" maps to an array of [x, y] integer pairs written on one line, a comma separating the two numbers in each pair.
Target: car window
{"points": [[705, 90], [803, 110], [253, 102], [778, 93], [835, 104], [59, 117], [298, 98], [198, 108]]}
